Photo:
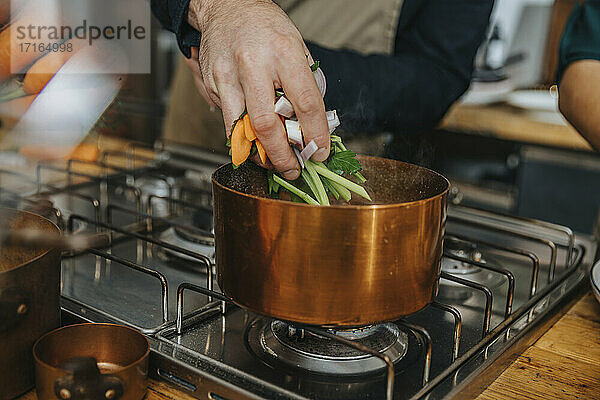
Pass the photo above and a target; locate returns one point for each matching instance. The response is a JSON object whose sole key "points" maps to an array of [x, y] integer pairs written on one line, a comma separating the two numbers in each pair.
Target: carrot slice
{"points": [[240, 145], [261, 151], [248, 129]]}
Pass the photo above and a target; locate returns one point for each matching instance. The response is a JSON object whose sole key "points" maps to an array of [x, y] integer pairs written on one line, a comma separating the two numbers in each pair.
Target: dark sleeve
{"points": [[410, 91], [581, 37], [172, 14]]}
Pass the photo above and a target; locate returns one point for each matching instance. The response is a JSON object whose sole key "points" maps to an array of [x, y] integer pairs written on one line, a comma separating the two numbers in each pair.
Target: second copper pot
{"points": [[91, 361], [338, 266]]}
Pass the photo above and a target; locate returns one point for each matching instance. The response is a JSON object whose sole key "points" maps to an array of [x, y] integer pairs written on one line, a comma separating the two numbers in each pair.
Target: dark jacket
{"points": [[407, 92]]}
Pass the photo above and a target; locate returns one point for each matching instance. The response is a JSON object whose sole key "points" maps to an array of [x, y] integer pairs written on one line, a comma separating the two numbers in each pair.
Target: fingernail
{"points": [[321, 155], [291, 174]]}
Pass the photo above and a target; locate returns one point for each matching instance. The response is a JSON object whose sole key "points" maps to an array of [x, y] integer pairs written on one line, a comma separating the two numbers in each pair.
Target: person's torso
{"points": [[368, 27]]}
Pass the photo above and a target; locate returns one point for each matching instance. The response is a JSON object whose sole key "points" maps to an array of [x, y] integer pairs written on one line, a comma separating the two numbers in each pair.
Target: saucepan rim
{"points": [[57, 331], [44, 252], [342, 207]]}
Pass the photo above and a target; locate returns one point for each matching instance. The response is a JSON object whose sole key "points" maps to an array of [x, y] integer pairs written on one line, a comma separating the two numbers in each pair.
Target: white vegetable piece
{"points": [[294, 133], [284, 107], [298, 156], [321, 81], [310, 149], [332, 120]]}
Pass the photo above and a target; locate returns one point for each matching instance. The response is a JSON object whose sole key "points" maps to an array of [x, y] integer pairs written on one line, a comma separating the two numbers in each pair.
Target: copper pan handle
{"points": [[13, 307], [85, 381]]}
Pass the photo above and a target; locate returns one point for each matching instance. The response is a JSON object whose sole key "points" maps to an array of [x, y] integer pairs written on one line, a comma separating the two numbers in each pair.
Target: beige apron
{"points": [[368, 27]]}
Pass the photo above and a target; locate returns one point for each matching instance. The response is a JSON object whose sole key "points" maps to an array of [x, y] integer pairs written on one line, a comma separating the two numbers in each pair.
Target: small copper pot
{"points": [[91, 361], [339, 266]]}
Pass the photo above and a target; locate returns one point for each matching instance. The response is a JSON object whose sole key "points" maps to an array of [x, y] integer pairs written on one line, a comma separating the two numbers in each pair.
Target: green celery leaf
{"points": [[314, 67], [344, 161]]}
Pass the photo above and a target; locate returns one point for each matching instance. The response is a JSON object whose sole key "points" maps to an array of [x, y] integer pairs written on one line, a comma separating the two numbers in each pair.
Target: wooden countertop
{"points": [[510, 123], [562, 364]]}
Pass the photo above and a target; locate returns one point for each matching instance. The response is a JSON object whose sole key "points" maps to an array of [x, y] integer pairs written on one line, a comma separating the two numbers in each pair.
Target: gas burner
{"points": [[300, 349], [173, 237], [461, 248], [202, 229], [197, 237]]}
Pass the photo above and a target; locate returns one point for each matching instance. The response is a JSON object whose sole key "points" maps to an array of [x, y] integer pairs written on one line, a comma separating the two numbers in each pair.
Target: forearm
{"points": [[579, 99], [405, 93]]}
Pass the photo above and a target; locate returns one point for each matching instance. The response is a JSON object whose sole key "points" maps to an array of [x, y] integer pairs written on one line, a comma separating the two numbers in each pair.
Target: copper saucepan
{"points": [[29, 298], [91, 361], [339, 266]]}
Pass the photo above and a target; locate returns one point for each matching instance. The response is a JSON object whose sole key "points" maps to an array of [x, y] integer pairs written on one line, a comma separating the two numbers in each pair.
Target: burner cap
{"points": [[201, 232], [174, 238], [449, 290], [326, 356]]}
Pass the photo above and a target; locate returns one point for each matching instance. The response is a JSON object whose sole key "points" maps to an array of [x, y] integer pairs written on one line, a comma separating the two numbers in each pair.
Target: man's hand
{"points": [[248, 49]]}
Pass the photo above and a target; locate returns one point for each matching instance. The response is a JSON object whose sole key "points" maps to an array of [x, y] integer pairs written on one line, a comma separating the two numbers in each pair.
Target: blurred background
{"points": [[504, 144]]}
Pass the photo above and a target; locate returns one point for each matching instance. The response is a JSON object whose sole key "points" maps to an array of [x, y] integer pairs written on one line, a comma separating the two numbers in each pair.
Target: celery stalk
{"points": [[288, 186], [323, 171], [306, 177], [329, 186], [321, 193], [344, 193]]}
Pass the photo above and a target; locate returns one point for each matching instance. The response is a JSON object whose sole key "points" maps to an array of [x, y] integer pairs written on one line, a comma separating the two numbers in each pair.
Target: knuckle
{"points": [[307, 102], [282, 43], [244, 56], [223, 73], [264, 122], [282, 162]]}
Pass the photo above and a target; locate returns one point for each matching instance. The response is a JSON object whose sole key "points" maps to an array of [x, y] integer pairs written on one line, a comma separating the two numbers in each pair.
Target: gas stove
{"points": [[504, 280]]}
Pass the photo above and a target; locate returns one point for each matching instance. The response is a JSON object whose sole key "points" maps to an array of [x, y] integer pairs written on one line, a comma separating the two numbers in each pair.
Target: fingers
{"points": [[230, 94], [260, 96], [193, 64], [256, 159], [232, 104], [301, 89]]}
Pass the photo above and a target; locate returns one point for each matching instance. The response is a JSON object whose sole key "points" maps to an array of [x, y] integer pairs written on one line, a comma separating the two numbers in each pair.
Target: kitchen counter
{"points": [[563, 364], [503, 121]]}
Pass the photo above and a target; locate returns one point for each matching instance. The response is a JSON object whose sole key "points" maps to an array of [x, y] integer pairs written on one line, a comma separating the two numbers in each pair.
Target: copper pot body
{"points": [[339, 266], [29, 300], [120, 352]]}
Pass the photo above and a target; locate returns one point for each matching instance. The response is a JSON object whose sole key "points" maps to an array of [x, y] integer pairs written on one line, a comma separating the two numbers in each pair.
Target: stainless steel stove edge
{"points": [[197, 378], [485, 364], [201, 378], [494, 367]]}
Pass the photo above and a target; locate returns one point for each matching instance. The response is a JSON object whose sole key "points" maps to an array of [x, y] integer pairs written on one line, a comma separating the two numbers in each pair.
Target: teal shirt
{"points": [[581, 37]]}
